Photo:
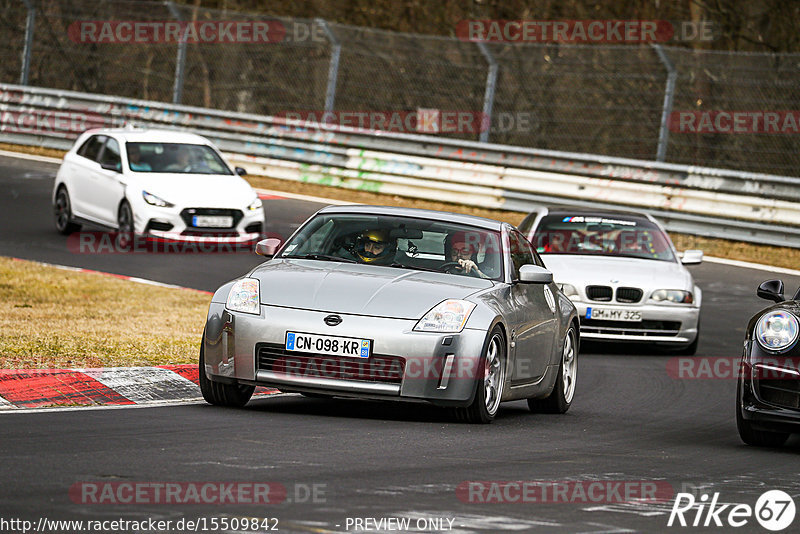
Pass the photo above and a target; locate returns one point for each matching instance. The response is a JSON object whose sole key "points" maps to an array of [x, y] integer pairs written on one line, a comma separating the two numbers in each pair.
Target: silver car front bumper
{"points": [[673, 324], [233, 341]]}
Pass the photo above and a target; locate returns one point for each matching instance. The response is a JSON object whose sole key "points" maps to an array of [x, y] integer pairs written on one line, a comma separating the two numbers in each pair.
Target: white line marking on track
{"points": [[748, 265], [5, 405], [296, 196], [113, 275], [33, 157]]}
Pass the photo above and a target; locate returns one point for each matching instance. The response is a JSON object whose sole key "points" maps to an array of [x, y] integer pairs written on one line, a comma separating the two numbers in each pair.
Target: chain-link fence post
{"points": [[180, 60], [333, 67], [488, 95], [669, 94], [30, 24]]}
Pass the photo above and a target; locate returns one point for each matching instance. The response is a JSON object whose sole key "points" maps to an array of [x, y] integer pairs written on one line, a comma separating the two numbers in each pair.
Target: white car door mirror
{"points": [[111, 167], [692, 257], [268, 247], [533, 274]]}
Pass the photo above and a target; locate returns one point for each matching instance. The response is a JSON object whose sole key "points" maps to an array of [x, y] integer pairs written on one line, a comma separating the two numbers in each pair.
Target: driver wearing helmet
{"points": [[376, 247]]}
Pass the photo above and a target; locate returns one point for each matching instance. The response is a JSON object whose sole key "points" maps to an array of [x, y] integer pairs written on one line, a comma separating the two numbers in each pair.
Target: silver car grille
{"points": [[626, 295], [375, 369], [599, 293]]}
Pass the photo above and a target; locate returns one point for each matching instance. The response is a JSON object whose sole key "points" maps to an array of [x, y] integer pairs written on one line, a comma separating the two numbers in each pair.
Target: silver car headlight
{"points": [[156, 201], [255, 205], [570, 291], [672, 295], [244, 296], [447, 316], [776, 330]]}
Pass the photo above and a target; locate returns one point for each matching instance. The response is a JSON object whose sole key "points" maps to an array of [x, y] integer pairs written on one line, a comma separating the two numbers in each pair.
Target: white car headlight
{"points": [[255, 205], [672, 295], [776, 330], [244, 296], [447, 316], [570, 291], [156, 201]]}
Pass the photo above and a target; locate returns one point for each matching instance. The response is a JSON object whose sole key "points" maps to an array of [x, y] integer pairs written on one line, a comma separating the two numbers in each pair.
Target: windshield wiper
{"points": [[321, 257], [413, 267]]}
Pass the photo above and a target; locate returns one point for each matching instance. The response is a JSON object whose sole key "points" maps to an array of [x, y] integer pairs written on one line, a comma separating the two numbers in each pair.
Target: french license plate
{"points": [[350, 347], [212, 221], [608, 314]]}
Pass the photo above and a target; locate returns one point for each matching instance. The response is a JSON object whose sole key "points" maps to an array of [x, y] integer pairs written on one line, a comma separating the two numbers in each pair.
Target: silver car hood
{"points": [[359, 289], [608, 270]]}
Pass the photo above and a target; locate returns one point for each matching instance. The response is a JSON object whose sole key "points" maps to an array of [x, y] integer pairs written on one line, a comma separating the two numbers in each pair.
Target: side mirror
{"points": [[533, 274], [692, 257], [240, 171], [771, 290], [268, 247], [111, 167]]}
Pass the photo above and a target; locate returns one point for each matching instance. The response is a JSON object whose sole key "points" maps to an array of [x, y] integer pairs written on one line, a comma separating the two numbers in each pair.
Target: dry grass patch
{"points": [[35, 150], [55, 318]]}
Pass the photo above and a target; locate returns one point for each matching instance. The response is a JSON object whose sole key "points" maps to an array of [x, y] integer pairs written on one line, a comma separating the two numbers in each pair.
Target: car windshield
{"points": [[175, 158], [602, 235], [401, 242]]}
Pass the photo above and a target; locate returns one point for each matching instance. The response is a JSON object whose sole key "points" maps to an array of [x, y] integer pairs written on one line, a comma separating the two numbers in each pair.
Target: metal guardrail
{"points": [[696, 200]]}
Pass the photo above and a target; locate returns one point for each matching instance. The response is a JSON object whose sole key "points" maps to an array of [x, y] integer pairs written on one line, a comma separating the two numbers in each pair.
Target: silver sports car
{"points": [[391, 303], [623, 273]]}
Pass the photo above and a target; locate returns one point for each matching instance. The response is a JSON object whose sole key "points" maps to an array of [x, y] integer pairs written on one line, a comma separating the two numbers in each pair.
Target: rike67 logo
{"points": [[774, 510]]}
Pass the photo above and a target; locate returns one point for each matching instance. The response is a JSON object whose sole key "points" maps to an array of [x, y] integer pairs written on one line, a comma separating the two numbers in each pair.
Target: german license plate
{"points": [[212, 221], [349, 347], [609, 314]]}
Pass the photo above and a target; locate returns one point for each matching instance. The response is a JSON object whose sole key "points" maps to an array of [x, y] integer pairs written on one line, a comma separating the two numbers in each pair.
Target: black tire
{"points": [[560, 398], [62, 211], [752, 436], [125, 224], [219, 394], [125, 218], [491, 377]]}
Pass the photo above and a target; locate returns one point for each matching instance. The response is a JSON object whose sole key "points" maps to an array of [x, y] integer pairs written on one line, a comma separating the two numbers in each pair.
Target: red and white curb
{"points": [[113, 386]]}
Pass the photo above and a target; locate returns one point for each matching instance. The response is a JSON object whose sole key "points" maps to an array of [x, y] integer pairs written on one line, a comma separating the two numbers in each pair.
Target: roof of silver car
{"points": [[416, 213]]}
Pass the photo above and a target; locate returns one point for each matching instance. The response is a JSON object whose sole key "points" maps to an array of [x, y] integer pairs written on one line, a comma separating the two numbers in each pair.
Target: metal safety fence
{"points": [[614, 100], [696, 200]]}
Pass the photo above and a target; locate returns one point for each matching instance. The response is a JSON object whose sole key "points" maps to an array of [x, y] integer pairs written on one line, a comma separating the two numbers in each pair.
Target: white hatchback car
{"points": [[162, 183]]}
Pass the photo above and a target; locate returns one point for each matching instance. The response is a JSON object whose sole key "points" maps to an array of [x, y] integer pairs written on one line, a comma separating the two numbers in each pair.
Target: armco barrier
{"points": [[703, 201]]}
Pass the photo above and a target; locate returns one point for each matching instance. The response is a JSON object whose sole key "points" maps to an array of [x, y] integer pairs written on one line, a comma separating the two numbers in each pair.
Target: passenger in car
{"points": [[463, 249]]}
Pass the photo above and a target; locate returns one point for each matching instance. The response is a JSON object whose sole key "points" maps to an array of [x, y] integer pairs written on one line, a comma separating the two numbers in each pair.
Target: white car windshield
{"points": [[175, 158], [402, 242], [602, 235]]}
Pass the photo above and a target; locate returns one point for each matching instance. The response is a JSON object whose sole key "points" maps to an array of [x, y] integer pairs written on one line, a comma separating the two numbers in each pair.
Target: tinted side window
{"points": [[91, 148], [521, 252], [111, 154]]}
